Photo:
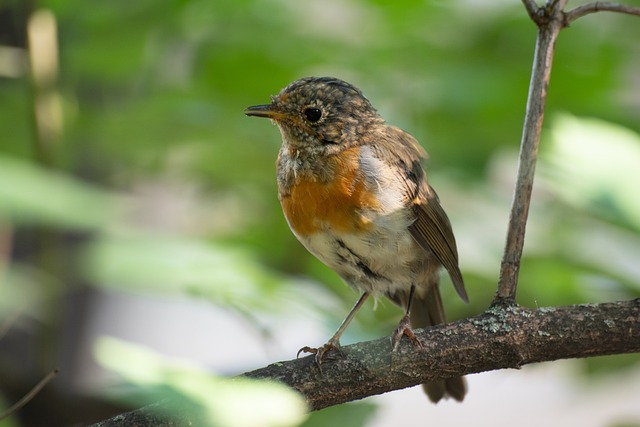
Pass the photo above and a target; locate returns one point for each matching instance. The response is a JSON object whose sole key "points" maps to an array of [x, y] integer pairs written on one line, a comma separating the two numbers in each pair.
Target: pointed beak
{"points": [[267, 111]]}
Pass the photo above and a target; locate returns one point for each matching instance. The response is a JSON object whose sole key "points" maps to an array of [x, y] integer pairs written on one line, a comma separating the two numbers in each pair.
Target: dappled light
{"points": [[143, 250]]}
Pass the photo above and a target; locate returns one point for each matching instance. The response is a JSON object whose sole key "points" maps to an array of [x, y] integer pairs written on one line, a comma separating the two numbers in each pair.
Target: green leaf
{"points": [[30, 194], [181, 265], [593, 165], [225, 401], [355, 414]]}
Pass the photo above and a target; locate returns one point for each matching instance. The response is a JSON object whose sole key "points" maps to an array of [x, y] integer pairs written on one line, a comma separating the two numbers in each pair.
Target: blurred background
{"points": [[142, 246]]}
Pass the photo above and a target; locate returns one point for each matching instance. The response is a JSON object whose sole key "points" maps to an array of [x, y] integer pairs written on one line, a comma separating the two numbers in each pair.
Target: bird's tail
{"points": [[427, 310]]}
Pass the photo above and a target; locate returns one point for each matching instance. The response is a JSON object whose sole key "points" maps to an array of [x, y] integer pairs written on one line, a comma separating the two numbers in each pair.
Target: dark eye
{"points": [[313, 114]]}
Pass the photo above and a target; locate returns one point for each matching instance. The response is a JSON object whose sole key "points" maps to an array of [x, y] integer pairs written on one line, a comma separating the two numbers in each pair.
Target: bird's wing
{"points": [[431, 228]]}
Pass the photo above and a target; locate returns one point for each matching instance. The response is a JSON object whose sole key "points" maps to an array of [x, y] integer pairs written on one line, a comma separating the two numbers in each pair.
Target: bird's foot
{"points": [[404, 329], [320, 352]]}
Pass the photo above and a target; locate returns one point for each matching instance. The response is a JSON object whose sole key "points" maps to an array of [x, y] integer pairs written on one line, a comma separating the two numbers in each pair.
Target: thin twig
{"points": [[29, 396], [550, 20], [599, 6], [532, 9], [548, 30]]}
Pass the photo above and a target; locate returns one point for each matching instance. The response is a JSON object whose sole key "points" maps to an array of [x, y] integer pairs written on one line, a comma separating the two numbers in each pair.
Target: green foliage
{"points": [[32, 195], [593, 165], [224, 402], [172, 189], [352, 414]]}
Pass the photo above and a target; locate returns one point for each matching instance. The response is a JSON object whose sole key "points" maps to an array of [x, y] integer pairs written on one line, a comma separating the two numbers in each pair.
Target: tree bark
{"points": [[505, 336], [501, 337]]}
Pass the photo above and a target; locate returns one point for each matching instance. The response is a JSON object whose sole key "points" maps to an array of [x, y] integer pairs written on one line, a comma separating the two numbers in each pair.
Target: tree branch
{"points": [[504, 336], [599, 6], [550, 19], [550, 22], [532, 9]]}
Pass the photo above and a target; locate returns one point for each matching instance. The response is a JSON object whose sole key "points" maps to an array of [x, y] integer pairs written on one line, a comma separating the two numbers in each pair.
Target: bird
{"points": [[354, 192]]}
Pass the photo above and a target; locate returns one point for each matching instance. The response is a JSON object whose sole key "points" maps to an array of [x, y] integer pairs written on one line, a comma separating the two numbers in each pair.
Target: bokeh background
{"points": [[142, 247]]}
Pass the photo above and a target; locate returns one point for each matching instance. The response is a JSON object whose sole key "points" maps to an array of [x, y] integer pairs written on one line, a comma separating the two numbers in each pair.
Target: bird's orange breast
{"points": [[340, 204]]}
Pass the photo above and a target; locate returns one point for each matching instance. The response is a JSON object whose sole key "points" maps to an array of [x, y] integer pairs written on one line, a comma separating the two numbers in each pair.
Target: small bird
{"points": [[354, 193]]}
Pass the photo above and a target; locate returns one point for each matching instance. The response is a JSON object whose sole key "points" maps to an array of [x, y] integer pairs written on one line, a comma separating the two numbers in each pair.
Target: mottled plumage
{"points": [[354, 193]]}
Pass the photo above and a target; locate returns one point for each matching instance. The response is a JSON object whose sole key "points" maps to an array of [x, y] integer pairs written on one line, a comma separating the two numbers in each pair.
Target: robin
{"points": [[354, 193]]}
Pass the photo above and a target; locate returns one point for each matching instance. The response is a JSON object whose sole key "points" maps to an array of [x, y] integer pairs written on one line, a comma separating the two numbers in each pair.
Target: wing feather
{"points": [[432, 231], [431, 228]]}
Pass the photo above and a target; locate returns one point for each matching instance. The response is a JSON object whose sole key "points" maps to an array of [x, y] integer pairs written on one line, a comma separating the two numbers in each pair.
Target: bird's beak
{"points": [[267, 111]]}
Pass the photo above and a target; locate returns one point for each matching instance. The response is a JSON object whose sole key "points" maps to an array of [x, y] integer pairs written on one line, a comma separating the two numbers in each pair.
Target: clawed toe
{"points": [[306, 349], [404, 329], [321, 351]]}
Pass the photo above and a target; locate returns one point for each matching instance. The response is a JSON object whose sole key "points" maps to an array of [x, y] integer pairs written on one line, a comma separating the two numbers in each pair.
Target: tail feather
{"points": [[427, 310], [452, 387]]}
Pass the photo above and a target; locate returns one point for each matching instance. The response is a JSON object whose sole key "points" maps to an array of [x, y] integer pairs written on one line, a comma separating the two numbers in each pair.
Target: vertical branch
{"points": [[550, 22], [550, 19]]}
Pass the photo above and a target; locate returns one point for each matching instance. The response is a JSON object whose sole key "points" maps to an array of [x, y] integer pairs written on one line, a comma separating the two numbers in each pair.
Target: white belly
{"points": [[379, 261]]}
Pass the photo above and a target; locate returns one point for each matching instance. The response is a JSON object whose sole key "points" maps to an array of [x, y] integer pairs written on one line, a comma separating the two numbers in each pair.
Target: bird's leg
{"points": [[404, 327], [334, 341]]}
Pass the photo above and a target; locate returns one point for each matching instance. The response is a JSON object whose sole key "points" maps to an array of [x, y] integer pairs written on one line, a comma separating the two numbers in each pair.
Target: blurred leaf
{"points": [[225, 401], [586, 241], [598, 366], [181, 265], [563, 283], [593, 164], [30, 194], [354, 414]]}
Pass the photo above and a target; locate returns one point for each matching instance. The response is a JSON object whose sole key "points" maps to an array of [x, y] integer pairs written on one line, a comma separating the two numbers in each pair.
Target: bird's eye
{"points": [[313, 114]]}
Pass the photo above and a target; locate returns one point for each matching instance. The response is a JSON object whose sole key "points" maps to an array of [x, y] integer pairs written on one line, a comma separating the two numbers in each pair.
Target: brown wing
{"points": [[431, 228], [432, 231]]}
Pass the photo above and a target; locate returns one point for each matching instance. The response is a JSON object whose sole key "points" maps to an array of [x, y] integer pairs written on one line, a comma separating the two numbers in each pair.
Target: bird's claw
{"points": [[320, 352], [404, 329]]}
